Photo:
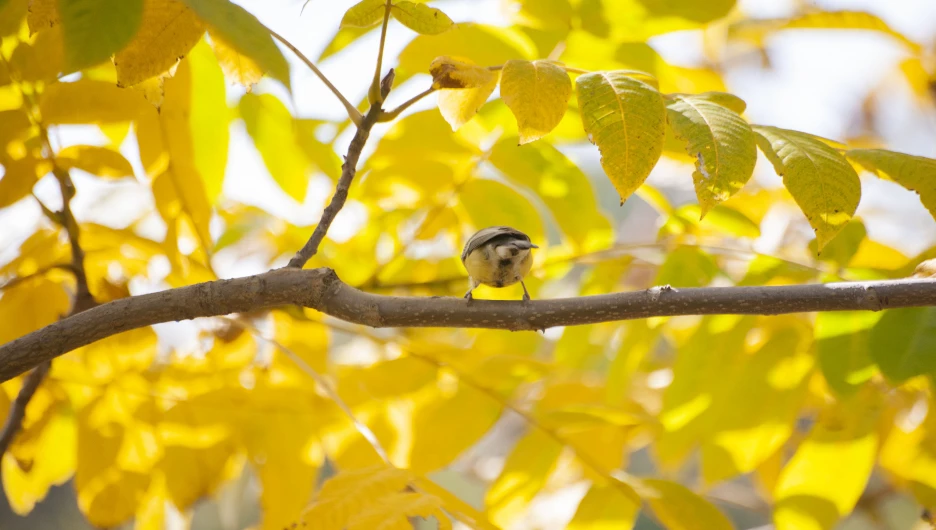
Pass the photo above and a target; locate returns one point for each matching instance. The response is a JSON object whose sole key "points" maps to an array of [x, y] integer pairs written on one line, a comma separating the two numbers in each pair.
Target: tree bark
{"points": [[320, 289]]}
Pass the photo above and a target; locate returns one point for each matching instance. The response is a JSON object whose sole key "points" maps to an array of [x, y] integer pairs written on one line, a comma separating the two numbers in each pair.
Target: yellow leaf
{"points": [[30, 306], [43, 14], [721, 143], [756, 30], [451, 72], [115, 455], [43, 453], [829, 471], [209, 120], [153, 90], [43, 60], [626, 119], [244, 34], [912, 172], [168, 31], [364, 14], [272, 128], [306, 338], [19, 177], [458, 508], [460, 105], [343, 38], [100, 161], [525, 472], [537, 93], [756, 410], [421, 18], [466, 411], [604, 507], [349, 492], [821, 181], [240, 68], [89, 101], [918, 78], [678, 508], [186, 182], [393, 512]]}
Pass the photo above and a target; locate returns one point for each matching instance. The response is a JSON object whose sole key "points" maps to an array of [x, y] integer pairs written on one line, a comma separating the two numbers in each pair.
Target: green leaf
{"points": [[364, 14], [272, 128], [821, 181], [626, 119], [537, 93], [915, 173], [679, 508], [244, 33], [903, 342], [843, 248], [721, 142], [687, 267], [689, 9], [93, 30], [421, 18], [842, 344]]}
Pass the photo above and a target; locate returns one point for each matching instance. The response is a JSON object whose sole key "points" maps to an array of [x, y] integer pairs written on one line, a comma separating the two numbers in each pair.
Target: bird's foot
{"points": [[526, 297], [469, 297]]}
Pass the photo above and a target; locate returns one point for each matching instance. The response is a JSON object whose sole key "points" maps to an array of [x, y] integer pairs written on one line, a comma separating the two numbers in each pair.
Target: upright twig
{"points": [[374, 94], [348, 170], [353, 112]]}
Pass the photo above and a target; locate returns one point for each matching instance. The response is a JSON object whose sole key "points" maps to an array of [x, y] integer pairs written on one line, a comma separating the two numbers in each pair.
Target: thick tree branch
{"points": [[348, 170], [321, 289]]}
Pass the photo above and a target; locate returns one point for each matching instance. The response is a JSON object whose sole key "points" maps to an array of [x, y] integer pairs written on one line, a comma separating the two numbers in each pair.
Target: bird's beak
{"points": [[533, 246]]}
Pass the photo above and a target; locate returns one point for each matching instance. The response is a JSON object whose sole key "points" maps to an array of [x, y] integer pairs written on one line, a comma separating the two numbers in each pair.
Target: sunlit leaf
{"points": [[721, 142], [168, 31], [537, 93], [524, 474], [272, 128], [626, 119], [349, 492], [912, 172], [100, 161], [604, 507], [243, 33], [364, 14], [421, 18], [88, 101], [822, 182], [841, 445], [679, 508]]}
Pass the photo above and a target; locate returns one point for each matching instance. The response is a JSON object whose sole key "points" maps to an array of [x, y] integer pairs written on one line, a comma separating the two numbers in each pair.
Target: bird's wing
{"points": [[486, 235]]}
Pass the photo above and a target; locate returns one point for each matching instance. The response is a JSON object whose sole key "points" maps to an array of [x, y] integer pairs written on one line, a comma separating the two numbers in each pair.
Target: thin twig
{"points": [[353, 112], [18, 408], [13, 282], [374, 94], [348, 170], [389, 115]]}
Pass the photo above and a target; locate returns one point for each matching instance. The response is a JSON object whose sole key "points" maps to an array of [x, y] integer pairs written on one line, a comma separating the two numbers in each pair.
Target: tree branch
{"points": [[320, 289], [374, 94], [348, 170], [18, 408], [389, 115]]}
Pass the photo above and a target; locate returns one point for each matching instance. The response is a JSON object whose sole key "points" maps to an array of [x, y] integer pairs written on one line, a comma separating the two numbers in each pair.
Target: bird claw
{"points": [[526, 297], [469, 297]]}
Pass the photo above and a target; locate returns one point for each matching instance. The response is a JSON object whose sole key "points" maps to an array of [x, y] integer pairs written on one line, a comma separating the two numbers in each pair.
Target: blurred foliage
{"points": [[814, 417]]}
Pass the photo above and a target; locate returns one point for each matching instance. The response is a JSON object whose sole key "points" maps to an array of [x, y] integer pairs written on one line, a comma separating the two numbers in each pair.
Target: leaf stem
{"points": [[374, 95], [353, 112], [390, 115]]}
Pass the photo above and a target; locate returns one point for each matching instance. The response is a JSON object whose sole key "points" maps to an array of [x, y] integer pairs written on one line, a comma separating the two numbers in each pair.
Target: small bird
{"points": [[497, 256]]}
